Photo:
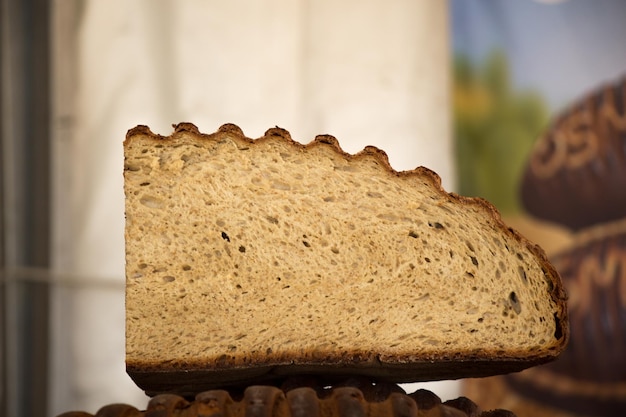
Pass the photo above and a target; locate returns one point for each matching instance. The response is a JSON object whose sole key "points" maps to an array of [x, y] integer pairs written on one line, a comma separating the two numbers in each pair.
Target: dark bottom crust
{"points": [[188, 382], [304, 397]]}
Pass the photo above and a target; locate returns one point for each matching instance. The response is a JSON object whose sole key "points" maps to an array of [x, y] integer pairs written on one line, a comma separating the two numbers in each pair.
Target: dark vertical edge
{"points": [[26, 202], [4, 355], [35, 172], [4, 409]]}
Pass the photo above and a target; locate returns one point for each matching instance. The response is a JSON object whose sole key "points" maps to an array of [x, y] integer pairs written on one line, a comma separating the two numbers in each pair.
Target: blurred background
{"points": [[463, 87]]}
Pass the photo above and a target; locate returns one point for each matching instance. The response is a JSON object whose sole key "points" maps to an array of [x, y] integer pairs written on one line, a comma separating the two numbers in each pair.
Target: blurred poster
{"points": [[540, 131]]}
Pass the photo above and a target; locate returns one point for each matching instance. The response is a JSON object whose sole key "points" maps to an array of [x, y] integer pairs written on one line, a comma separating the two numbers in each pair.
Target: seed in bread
{"points": [[251, 259]]}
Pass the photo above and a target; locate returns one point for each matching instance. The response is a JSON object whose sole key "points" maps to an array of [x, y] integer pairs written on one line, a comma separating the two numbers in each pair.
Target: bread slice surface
{"points": [[247, 259]]}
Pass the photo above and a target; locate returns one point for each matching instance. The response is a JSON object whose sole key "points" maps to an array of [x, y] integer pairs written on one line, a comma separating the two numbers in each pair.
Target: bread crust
{"points": [[192, 377]]}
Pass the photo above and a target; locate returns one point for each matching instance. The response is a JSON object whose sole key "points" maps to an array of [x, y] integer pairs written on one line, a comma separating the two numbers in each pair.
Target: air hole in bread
{"points": [[436, 225], [515, 303], [225, 236]]}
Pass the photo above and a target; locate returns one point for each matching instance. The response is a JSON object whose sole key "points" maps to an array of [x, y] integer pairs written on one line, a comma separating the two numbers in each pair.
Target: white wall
{"points": [[369, 72]]}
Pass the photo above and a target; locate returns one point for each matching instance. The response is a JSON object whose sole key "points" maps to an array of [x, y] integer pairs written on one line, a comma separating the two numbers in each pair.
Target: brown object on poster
{"points": [[271, 401], [249, 260], [576, 174]]}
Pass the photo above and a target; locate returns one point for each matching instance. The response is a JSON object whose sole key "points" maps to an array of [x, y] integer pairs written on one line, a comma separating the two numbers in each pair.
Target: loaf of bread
{"points": [[303, 401], [248, 260]]}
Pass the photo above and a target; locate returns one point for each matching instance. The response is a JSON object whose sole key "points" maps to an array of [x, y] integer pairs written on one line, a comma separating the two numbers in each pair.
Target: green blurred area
{"points": [[494, 130]]}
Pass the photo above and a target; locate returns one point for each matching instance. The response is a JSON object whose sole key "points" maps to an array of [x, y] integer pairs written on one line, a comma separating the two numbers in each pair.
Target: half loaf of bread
{"points": [[248, 260]]}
